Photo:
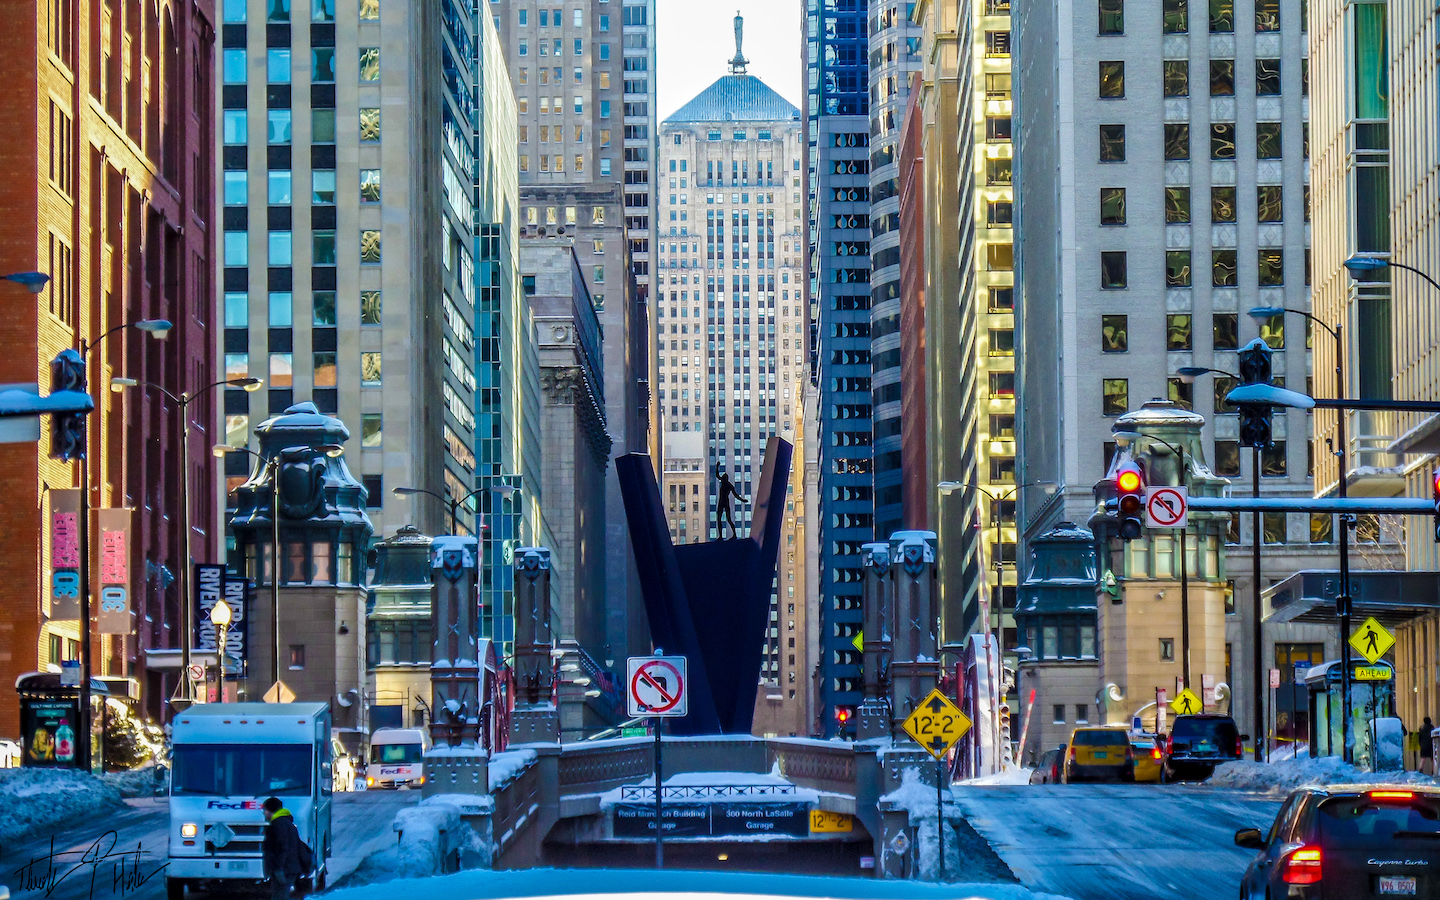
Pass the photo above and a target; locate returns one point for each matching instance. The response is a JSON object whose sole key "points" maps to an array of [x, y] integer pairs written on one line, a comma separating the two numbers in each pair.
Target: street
{"points": [[361, 825], [1121, 841]]}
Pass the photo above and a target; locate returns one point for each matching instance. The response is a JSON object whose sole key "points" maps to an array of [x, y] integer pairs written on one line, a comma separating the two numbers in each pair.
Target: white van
{"points": [[227, 759], [397, 758]]}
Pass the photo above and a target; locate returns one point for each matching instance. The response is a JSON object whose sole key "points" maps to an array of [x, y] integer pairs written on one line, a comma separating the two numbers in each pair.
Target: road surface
{"points": [[360, 825], [1118, 842]]}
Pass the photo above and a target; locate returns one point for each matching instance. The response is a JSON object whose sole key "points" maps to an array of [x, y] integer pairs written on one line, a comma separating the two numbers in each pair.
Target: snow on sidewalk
{"points": [[1011, 775], [33, 800], [575, 884], [1282, 777]]}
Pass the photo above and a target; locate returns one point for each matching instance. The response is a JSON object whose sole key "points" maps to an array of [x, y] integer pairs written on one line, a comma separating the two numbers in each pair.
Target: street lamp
{"points": [[119, 384], [159, 329], [34, 282], [1342, 602], [220, 616], [1360, 265], [454, 503], [271, 467]]}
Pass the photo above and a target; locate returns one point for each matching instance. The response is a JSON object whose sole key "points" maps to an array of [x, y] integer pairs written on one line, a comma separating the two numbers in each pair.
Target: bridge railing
{"points": [[598, 766], [818, 765]]}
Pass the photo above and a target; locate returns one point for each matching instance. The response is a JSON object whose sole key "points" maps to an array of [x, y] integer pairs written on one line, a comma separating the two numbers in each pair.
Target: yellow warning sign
{"points": [[859, 641], [936, 724], [1371, 640], [1186, 703], [825, 822], [1372, 673]]}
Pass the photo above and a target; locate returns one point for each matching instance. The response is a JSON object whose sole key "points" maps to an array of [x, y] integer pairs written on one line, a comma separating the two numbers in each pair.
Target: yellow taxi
{"points": [[1148, 757], [1100, 753]]}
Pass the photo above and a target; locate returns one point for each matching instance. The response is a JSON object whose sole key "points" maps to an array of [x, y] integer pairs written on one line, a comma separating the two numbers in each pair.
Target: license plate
{"points": [[1390, 884], [1101, 756]]}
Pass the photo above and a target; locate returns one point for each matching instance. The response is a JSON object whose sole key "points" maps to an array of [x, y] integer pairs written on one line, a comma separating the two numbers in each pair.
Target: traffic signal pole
{"points": [[1255, 613]]}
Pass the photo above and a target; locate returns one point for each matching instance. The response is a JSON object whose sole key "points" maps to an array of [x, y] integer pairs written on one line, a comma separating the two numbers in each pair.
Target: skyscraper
{"points": [[729, 335], [837, 189]]}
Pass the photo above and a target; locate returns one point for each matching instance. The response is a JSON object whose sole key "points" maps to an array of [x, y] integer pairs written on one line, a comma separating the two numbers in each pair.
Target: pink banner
{"points": [[114, 614], [65, 553]]}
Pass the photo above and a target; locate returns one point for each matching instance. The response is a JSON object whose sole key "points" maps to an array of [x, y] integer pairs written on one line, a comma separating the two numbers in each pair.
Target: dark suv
{"points": [[1197, 744], [1351, 842]]}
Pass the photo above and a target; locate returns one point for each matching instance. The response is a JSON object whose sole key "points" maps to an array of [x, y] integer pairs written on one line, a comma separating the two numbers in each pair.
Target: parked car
{"points": [[1099, 754], [1048, 766], [1355, 842], [1199, 743], [1147, 757]]}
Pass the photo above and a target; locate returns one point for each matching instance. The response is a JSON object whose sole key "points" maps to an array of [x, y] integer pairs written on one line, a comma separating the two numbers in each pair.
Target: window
{"points": [[1272, 460], [1272, 273], [997, 171], [234, 66], [1267, 15], [1227, 458], [1322, 528], [1167, 649], [282, 309], [277, 10], [297, 651], [322, 186], [371, 430], [1112, 206], [237, 188], [1222, 204], [369, 123], [277, 129], [282, 370], [1175, 17], [1222, 77], [1177, 204], [997, 43], [236, 130], [277, 65], [1222, 16], [1059, 714], [324, 369], [1272, 527], [1226, 328], [1222, 140], [1112, 16], [237, 309], [370, 367], [370, 246], [281, 249], [997, 86], [1177, 141], [1112, 144], [1112, 79], [1272, 329], [322, 247], [322, 307], [234, 12], [369, 185], [237, 248], [322, 126], [999, 257], [1115, 396], [1177, 78], [322, 65], [1001, 299], [1181, 393], [369, 63], [237, 365], [1267, 140], [1269, 202], [1177, 268], [374, 491], [322, 10], [1267, 75], [1113, 276], [278, 191], [997, 128], [1114, 334], [370, 308], [1000, 213], [1177, 331], [1223, 268]]}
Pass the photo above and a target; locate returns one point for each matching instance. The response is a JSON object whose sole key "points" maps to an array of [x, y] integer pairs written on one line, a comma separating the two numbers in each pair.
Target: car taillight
{"points": [[1239, 750], [1302, 866], [1157, 753], [1392, 795], [1072, 751], [1129, 753]]}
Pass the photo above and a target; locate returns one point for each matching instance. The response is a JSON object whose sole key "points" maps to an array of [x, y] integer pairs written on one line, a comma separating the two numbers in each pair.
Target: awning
{"points": [[1391, 597]]}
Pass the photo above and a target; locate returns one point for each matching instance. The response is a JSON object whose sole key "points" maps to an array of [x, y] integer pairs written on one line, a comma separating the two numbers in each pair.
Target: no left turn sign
{"points": [[1167, 507], [657, 686]]}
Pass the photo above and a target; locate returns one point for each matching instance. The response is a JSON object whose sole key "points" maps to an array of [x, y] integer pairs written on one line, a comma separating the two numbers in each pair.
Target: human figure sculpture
{"points": [[728, 493]]}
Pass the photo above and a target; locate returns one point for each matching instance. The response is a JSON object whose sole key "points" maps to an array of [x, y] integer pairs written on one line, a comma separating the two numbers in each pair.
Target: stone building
{"points": [[399, 631]]}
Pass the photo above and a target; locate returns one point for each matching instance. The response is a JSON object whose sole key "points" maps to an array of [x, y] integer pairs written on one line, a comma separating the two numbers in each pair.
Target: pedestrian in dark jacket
{"points": [[1427, 747], [281, 849]]}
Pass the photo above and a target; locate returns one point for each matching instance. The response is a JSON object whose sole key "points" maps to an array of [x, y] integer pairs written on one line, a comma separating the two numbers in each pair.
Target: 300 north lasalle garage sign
{"points": [[636, 820]]}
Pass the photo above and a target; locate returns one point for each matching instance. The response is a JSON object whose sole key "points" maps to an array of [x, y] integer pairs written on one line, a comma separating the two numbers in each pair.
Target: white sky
{"points": [[695, 39]]}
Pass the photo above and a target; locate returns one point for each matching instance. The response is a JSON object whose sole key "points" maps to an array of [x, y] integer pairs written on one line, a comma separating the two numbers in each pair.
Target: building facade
{"points": [[730, 338], [110, 196], [350, 125]]}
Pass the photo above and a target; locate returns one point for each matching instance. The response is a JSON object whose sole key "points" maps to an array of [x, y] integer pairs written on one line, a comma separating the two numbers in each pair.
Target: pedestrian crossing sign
{"points": [[1186, 703], [1371, 640]]}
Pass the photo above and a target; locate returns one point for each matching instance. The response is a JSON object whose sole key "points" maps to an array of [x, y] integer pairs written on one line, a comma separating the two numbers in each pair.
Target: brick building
{"points": [[108, 190]]}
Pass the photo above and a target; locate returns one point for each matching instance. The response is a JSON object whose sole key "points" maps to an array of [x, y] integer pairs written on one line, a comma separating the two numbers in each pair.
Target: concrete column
{"points": [[913, 620], [874, 712], [535, 719], [457, 763]]}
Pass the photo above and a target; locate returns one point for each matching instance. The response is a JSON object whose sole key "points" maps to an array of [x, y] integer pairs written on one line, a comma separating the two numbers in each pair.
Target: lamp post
{"points": [[271, 468], [34, 282], [454, 503], [1360, 264], [160, 328], [118, 385], [1343, 601], [220, 616]]}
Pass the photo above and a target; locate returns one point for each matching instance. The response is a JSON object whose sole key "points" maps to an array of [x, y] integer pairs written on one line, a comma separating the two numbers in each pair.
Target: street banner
{"points": [[237, 595], [208, 586], [65, 553], [114, 617]]}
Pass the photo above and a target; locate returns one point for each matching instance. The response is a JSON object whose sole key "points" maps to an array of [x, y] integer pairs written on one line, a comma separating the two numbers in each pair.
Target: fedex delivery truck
{"points": [[397, 758], [227, 759]]}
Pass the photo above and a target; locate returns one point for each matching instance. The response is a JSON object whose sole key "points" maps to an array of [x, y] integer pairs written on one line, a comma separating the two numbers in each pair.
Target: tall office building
{"points": [[837, 188], [894, 54], [348, 266], [108, 192], [583, 78], [730, 335]]}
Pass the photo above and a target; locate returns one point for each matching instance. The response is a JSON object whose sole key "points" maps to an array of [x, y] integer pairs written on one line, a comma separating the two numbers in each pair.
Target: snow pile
{"points": [[613, 884], [39, 800], [1282, 777], [131, 783], [1296, 750], [432, 839], [1011, 774], [507, 764]]}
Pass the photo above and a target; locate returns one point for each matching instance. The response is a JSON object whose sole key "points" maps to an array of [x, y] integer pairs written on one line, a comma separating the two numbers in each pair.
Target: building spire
{"points": [[737, 65]]}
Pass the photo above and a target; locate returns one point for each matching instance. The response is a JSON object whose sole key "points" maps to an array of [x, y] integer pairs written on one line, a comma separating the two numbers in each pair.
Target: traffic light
{"points": [[1007, 752], [1255, 368], [1435, 494], [67, 430], [1130, 500], [842, 719]]}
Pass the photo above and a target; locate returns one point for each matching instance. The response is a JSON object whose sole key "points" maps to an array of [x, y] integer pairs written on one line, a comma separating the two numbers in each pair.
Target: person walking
{"points": [[281, 849], [1427, 747]]}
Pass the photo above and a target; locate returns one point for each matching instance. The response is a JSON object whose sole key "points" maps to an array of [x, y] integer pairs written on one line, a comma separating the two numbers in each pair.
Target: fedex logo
{"points": [[243, 804]]}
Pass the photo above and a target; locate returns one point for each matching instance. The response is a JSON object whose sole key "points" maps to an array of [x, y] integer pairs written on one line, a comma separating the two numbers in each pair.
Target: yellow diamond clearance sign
{"points": [[1371, 640], [936, 724]]}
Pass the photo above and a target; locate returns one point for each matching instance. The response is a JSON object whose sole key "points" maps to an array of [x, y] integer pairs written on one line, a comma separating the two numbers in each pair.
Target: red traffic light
{"points": [[842, 715], [1128, 480], [1435, 484]]}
